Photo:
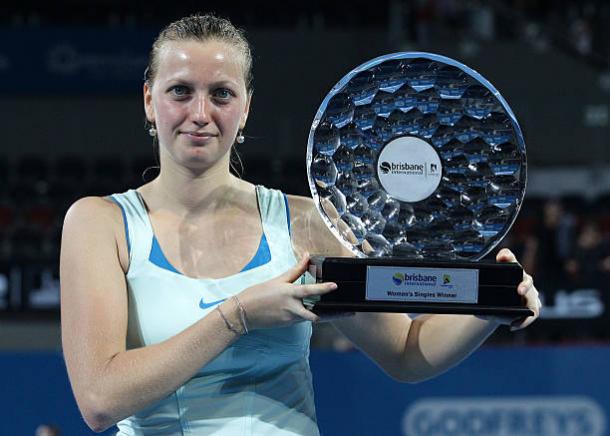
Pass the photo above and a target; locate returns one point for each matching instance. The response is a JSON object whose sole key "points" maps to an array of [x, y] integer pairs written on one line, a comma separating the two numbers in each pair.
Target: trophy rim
{"points": [[340, 85]]}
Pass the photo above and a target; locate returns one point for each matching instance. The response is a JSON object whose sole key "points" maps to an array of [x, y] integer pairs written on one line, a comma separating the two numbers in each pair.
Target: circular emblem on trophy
{"points": [[415, 155]]}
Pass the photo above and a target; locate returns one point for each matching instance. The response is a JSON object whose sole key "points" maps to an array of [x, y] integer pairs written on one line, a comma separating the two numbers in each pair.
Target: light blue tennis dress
{"points": [[260, 385]]}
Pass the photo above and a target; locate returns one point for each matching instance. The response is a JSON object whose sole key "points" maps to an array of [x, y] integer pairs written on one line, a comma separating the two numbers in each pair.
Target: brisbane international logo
{"points": [[398, 278], [407, 168]]}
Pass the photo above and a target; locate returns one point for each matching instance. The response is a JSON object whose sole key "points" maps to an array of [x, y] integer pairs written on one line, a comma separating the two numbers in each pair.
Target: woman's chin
{"points": [[194, 157], [201, 159]]}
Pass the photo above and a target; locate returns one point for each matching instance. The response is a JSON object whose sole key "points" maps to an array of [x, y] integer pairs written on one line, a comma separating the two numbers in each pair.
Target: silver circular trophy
{"points": [[417, 165]]}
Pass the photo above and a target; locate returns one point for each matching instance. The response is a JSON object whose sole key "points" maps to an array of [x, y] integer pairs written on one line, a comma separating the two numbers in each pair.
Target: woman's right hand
{"points": [[279, 302]]}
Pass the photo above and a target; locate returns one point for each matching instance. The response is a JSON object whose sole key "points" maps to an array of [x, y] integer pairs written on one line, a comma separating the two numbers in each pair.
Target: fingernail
{"points": [[332, 285]]}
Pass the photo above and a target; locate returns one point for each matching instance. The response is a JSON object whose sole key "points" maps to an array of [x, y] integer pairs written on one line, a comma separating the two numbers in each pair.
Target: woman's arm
{"points": [[413, 350], [407, 349], [109, 382], [428, 345]]}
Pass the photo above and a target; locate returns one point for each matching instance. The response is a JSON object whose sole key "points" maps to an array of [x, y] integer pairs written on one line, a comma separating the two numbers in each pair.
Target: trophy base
{"points": [[411, 286]]}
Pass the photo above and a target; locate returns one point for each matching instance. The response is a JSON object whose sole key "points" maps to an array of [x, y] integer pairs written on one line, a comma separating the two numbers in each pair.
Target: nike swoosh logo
{"points": [[205, 305]]}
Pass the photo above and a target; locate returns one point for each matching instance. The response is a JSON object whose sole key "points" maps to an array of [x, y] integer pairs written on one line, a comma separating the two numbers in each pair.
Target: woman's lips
{"points": [[199, 136]]}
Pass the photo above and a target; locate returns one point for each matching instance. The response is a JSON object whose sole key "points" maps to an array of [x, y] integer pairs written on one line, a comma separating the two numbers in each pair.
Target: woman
{"points": [[179, 311]]}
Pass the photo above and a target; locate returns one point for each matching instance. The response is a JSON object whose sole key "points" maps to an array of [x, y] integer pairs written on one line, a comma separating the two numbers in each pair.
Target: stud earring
{"points": [[152, 132], [240, 137]]}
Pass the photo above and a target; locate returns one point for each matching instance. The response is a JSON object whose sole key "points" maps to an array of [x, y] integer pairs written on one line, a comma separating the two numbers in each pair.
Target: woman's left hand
{"points": [[526, 289]]}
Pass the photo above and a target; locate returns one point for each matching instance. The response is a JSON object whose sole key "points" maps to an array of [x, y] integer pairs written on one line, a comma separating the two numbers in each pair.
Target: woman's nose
{"points": [[200, 108]]}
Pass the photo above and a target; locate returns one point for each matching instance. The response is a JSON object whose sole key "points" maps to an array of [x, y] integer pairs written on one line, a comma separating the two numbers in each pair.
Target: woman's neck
{"points": [[185, 191]]}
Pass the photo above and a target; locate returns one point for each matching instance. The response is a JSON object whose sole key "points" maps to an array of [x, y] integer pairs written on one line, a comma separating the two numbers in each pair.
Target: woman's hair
{"points": [[201, 28]]}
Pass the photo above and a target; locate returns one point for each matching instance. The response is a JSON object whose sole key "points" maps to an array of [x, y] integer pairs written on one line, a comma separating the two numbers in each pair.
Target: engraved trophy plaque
{"points": [[417, 165]]}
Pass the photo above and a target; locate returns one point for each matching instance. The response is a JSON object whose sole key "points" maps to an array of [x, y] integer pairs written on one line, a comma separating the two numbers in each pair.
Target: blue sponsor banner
{"points": [[539, 391], [73, 61], [526, 391]]}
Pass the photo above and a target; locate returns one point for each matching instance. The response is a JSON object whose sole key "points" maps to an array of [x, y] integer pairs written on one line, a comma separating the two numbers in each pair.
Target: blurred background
{"points": [[72, 123]]}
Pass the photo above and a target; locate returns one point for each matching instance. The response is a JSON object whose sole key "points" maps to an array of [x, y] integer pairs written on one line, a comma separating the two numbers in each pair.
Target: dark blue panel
{"points": [[36, 390], [354, 397], [548, 391], [73, 61]]}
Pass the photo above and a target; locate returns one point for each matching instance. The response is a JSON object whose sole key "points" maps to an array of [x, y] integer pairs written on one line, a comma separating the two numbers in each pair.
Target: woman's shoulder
{"points": [[303, 211], [300, 203], [297, 204], [92, 206], [94, 212], [97, 221]]}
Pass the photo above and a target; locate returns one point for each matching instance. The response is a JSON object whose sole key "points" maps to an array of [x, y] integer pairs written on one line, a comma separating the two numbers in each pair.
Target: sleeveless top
{"points": [[261, 384]]}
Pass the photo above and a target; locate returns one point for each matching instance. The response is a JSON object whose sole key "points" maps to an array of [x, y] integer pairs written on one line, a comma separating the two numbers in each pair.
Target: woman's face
{"points": [[198, 101]]}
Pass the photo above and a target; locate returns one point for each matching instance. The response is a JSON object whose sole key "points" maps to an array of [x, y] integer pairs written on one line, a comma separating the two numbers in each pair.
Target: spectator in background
{"points": [[482, 21], [590, 261], [47, 430], [554, 240], [581, 36]]}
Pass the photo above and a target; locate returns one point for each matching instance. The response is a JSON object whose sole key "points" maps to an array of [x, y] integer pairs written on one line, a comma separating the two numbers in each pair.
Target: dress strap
{"points": [[138, 230], [276, 225]]}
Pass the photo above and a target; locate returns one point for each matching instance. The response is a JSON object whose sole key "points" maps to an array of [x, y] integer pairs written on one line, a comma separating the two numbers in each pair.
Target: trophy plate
{"points": [[415, 160], [400, 285]]}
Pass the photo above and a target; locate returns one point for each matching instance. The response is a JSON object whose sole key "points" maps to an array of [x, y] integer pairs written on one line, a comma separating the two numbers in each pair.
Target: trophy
{"points": [[417, 165]]}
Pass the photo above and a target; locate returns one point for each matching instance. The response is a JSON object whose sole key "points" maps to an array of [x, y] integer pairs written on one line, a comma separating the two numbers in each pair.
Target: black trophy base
{"points": [[404, 285]]}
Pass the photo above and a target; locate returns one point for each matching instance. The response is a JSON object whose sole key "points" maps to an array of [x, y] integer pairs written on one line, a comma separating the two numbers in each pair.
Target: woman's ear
{"points": [[244, 117], [148, 105]]}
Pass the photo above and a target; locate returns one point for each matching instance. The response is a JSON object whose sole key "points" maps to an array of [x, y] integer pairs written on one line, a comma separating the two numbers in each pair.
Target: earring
{"points": [[240, 137], [152, 132]]}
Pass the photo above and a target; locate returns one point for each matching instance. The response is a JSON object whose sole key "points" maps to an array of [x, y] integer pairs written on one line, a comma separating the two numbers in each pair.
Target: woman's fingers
{"points": [[526, 289], [533, 303], [308, 315], [526, 285], [522, 323], [302, 291], [505, 255], [296, 271], [530, 293]]}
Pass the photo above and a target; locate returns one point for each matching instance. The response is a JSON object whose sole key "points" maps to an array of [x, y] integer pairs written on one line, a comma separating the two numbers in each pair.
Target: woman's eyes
{"points": [[223, 93], [179, 90], [219, 94]]}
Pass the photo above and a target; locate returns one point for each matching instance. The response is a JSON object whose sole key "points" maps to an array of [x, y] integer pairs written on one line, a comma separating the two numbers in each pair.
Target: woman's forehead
{"points": [[208, 56]]}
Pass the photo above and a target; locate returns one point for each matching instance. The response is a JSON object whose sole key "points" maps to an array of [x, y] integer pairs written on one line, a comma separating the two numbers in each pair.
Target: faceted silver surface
{"points": [[460, 115]]}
